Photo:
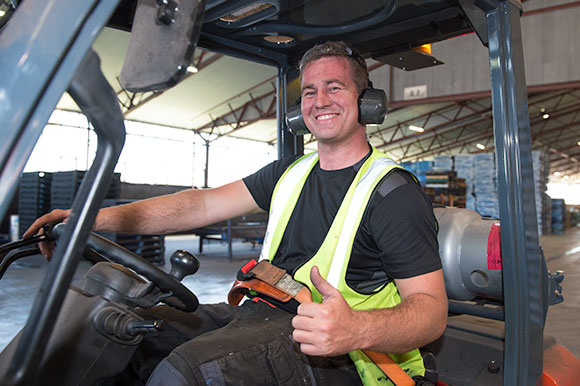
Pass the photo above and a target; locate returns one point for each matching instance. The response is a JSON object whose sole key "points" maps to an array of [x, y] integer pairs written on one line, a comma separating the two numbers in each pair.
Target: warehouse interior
{"points": [[439, 126]]}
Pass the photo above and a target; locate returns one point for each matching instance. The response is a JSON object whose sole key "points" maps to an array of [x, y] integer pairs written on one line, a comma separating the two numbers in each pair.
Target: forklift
{"points": [[77, 337]]}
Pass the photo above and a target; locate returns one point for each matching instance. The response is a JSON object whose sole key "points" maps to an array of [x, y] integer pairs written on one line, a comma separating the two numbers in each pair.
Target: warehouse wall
{"points": [[551, 42]]}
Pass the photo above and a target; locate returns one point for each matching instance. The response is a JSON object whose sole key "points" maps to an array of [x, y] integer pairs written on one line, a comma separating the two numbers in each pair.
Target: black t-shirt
{"points": [[397, 237]]}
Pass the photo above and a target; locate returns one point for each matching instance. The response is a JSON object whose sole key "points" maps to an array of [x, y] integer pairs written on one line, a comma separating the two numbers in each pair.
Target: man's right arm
{"points": [[185, 210]]}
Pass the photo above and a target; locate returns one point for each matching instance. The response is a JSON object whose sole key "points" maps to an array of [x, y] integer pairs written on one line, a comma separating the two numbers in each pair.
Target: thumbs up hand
{"points": [[329, 328]]}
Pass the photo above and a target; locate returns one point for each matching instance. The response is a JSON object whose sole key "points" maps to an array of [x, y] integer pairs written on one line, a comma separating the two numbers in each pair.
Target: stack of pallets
{"points": [[463, 166], [485, 185], [558, 215], [66, 184], [33, 198], [541, 166], [419, 169]]}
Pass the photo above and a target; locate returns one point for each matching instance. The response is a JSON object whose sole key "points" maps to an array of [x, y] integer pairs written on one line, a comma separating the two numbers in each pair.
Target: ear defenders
{"points": [[372, 109]]}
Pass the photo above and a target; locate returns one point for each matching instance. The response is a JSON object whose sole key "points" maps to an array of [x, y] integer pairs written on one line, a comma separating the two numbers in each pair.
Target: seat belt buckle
{"points": [[245, 273]]}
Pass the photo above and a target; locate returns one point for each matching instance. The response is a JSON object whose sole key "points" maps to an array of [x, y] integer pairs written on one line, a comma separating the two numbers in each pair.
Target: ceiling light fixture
{"points": [[416, 128], [245, 12], [578, 143], [2, 12], [279, 39], [542, 110], [557, 174], [566, 177], [192, 69], [480, 146], [546, 116]]}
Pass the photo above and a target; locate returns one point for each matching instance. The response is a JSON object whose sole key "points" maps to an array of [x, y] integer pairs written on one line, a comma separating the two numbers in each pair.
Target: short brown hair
{"points": [[360, 73]]}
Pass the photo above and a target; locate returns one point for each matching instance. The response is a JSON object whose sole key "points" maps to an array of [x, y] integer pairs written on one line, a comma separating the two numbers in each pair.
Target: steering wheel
{"points": [[175, 294]]}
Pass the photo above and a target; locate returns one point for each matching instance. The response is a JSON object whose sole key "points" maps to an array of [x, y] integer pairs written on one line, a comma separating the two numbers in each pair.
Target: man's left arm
{"points": [[333, 328]]}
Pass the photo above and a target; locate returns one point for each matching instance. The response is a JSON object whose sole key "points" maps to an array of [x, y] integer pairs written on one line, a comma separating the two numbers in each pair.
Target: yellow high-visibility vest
{"points": [[334, 254]]}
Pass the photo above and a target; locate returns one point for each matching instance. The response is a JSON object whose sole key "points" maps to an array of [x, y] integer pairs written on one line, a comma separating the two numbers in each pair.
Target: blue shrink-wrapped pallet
{"points": [[443, 163], [419, 169], [463, 165], [485, 184]]}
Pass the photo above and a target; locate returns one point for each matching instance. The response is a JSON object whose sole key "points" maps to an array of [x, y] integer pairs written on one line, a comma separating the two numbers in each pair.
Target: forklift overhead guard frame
{"points": [[39, 60]]}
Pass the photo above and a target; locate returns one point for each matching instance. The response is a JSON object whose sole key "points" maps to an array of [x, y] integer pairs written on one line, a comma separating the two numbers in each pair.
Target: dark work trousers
{"points": [[220, 344]]}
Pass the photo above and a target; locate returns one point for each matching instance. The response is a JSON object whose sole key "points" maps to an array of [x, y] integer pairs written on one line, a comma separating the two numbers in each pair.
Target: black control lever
{"points": [[7, 258], [183, 263], [122, 327], [137, 326], [45, 236], [12, 256]]}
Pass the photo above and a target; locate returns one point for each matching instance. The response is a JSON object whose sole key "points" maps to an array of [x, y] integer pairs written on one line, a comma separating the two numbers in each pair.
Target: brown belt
{"points": [[269, 280]]}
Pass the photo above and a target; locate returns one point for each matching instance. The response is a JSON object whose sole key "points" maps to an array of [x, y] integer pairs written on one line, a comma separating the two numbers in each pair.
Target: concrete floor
{"points": [[563, 253], [211, 283]]}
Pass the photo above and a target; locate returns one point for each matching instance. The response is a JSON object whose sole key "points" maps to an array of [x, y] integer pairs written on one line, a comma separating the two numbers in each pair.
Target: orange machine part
{"points": [[561, 367]]}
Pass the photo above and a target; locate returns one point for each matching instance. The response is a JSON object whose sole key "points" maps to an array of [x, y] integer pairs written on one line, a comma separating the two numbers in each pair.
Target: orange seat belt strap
{"points": [[391, 368]]}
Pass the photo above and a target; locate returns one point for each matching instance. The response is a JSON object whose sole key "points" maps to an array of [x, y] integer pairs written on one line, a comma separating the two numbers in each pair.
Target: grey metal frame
{"points": [[45, 64], [46, 61], [522, 264]]}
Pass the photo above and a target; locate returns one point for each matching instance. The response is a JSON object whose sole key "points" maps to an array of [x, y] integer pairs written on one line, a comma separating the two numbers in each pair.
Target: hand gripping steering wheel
{"points": [[175, 294]]}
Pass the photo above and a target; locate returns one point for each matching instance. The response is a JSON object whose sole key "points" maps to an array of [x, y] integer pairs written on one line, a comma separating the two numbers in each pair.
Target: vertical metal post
{"points": [[522, 268], [193, 133], [88, 143], [285, 138], [206, 170]]}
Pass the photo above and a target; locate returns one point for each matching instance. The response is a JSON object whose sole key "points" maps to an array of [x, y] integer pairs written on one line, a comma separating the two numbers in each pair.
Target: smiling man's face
{"points": [[330, 100]]}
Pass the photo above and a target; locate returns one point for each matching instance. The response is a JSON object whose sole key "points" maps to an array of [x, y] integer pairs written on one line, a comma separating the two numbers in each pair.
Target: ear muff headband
{"points": [[372, 109]]}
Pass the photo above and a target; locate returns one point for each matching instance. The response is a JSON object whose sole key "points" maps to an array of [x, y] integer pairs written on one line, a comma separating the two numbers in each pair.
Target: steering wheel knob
{"points": [[183, 263]]}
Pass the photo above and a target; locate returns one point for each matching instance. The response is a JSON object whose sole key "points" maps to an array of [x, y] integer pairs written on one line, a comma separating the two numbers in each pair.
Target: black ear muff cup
{"points": [[295, 121], [372, 110], [372, 106]]}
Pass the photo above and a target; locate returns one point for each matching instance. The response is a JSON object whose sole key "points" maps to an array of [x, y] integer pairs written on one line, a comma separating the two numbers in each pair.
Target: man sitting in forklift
{"points": [[349, 226]]}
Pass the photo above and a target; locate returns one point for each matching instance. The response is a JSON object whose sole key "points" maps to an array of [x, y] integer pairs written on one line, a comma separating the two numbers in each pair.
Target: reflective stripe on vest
{"points": [[284, 195], [360, 198], [334, 254]]}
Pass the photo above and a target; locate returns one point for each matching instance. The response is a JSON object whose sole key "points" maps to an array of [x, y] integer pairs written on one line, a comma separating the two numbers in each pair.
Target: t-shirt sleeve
{"points": [[261, 184], [404, 228]]}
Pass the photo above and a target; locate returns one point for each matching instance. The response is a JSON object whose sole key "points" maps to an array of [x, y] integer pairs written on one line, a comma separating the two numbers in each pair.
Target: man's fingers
{"points": [[47, 249], [33, 228], [309, 349], [305, 340], [302, 322], [308, 309], [302, 336], [309, 343], [56, 216]]}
